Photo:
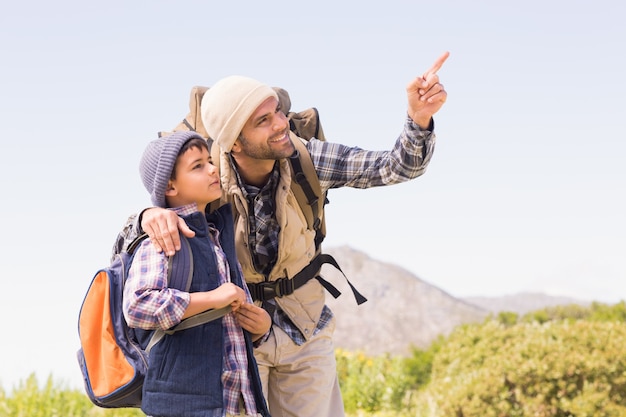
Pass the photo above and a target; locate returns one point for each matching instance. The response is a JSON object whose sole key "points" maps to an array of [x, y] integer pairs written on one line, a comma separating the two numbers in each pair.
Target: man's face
{"points": [[266, 133]]}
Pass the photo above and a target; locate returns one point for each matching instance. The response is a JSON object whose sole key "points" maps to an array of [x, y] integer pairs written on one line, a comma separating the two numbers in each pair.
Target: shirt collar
{"points": [[186, 209]]}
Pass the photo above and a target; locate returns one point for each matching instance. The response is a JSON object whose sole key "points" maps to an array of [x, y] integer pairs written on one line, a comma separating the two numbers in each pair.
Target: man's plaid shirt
{"points": [[337, 166]]}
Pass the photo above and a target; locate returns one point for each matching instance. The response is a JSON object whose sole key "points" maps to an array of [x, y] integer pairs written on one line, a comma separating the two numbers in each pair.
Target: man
{"points": [[243, 116]]}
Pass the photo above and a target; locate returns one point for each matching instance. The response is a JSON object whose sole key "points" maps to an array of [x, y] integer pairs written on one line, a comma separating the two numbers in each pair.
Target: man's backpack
{"points": [[304, 125], [111, 359]]}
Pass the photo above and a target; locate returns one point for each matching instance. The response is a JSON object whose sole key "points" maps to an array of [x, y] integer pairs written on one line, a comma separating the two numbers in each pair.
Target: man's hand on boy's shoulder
{"points": [[163, 227]]}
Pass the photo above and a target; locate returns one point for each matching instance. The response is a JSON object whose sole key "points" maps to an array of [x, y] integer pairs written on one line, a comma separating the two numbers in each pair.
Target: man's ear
{"points": [[236, 147]]}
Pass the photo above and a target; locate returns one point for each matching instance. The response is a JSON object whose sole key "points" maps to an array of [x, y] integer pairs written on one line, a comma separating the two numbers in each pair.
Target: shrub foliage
{"points": [[557, 362], [555, 368]]}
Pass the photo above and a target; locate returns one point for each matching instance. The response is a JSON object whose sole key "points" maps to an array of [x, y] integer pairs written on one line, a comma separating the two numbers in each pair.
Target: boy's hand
{"points": [[228, 294], [163, 226], [253, 319]]}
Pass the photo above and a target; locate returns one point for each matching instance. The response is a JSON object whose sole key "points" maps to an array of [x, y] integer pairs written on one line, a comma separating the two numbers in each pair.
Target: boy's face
{"points": [[197, 180], [266, 133]]}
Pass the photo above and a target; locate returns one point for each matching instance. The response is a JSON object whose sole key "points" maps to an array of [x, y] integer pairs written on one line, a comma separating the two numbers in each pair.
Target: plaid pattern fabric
{"points": [[337, 166], [143, 307], [235, 378], [150, 309], [344, 166], [284, 322], [264, 227]]}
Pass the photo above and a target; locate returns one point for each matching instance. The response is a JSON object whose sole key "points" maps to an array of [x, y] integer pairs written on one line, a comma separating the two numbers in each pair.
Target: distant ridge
{"points": [[522, 303], [403, 310]]}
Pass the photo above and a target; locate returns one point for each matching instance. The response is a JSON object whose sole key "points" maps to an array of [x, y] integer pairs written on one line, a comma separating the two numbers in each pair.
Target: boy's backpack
{"points": [[111, 359], [304, 125]]}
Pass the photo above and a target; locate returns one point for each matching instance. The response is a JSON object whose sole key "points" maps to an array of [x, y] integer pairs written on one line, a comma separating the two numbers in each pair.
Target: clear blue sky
{"points": [[526, 190]]}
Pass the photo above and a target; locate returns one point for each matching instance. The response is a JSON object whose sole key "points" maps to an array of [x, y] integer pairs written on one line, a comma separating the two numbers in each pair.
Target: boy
{"points": [[208, 370]]}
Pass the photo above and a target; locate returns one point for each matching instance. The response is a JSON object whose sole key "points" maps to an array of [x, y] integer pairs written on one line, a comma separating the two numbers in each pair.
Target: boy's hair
{"points": [[195, 142], [158, 161]]}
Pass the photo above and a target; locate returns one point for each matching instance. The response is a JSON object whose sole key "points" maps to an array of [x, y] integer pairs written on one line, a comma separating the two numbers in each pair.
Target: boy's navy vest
{"points": [[184, 373]]}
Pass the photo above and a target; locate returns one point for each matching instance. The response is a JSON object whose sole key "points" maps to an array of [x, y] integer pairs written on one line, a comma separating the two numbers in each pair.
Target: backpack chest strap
{"points": [[263, 291]]}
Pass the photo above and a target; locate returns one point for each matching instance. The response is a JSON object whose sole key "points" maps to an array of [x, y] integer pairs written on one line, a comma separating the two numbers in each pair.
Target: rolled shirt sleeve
{"points": [[148, 302]]}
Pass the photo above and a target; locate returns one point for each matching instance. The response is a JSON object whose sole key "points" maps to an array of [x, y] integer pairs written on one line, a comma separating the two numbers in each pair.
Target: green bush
{"points": [[570, 312], [53, 399], [508, 318], [418, 366], [596, 312], [605, 312], [557, 362], [369, 383], [385, 383], [558, 368]]}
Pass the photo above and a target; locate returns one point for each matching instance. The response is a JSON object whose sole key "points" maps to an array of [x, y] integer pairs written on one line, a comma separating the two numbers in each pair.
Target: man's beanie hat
{"points": [[157, 163], [227, 106]]}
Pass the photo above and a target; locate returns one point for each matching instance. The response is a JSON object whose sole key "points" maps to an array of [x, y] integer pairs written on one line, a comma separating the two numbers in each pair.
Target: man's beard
{"points": [[265, 150]]}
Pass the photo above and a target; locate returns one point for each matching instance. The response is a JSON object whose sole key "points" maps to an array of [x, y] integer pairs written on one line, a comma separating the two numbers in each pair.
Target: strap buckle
{"points": [[264, 291]]}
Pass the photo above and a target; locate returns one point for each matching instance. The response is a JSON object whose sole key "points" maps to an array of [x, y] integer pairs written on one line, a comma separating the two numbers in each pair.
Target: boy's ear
{"points": [[171, 190]]}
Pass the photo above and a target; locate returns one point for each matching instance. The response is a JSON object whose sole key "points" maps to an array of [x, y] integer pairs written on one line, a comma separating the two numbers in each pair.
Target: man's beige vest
{"points": [[296, 246]]}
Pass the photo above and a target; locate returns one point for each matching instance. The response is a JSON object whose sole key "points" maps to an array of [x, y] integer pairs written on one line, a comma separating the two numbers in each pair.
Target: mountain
{"points": [[402, 310]]}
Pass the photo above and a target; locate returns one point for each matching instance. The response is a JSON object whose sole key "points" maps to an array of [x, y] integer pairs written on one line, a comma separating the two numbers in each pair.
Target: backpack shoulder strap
{"points": [[180, 265], [306, 188], [179, 276], [134, 244]]}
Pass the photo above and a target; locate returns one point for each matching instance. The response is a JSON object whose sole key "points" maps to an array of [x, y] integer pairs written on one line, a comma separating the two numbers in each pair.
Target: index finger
{"points": [[438, 63]]}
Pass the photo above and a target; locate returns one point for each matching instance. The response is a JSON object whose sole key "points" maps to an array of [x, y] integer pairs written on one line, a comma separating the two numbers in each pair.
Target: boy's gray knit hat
{"points": [[157, 163], [227, 106]]}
